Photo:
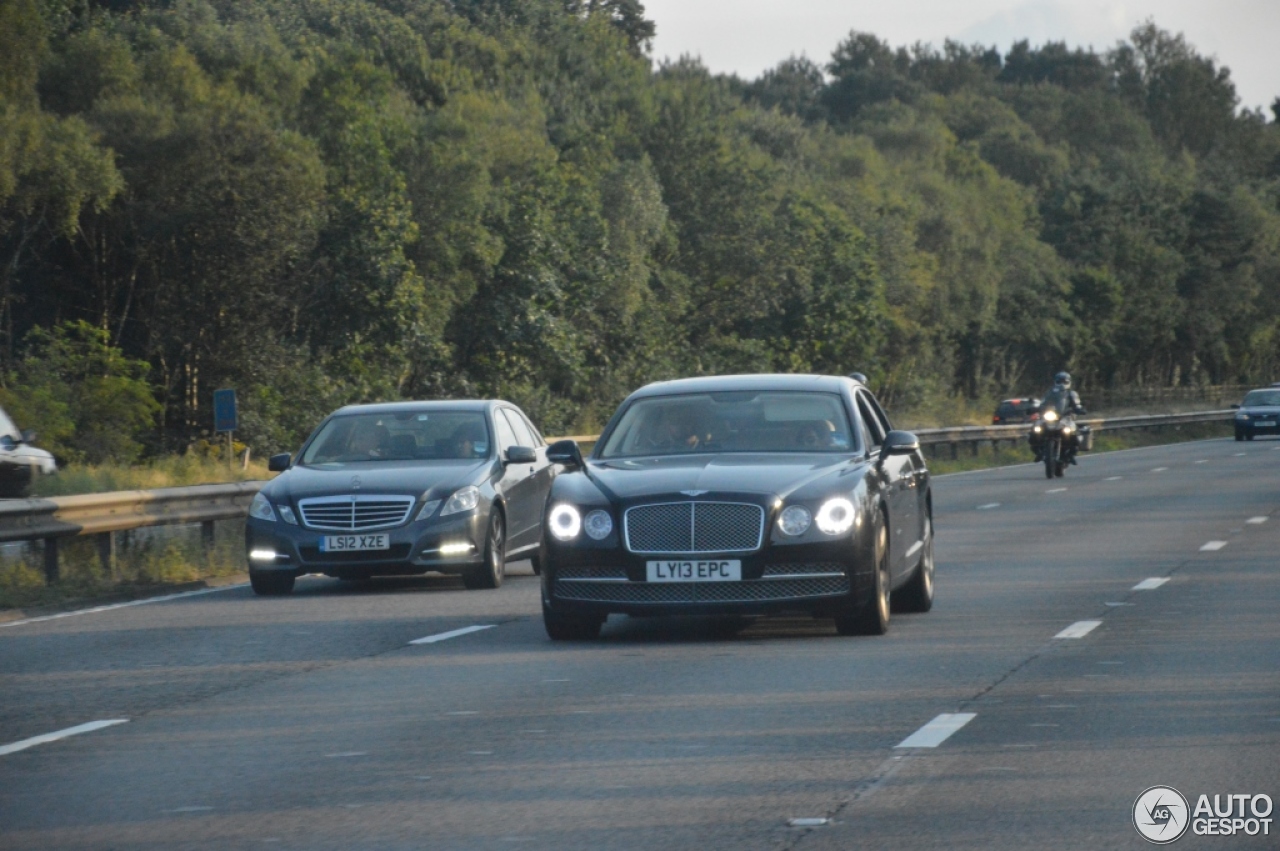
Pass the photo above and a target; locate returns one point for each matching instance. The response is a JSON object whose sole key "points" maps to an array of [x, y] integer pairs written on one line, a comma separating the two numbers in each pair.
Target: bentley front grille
{"points": [[355, 512], [694, 527]]}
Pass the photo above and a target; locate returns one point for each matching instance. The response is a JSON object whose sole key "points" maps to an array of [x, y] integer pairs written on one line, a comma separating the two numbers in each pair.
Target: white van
{"points": [[20, 462]]}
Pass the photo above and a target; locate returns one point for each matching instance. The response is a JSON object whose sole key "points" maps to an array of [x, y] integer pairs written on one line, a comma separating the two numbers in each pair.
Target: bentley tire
{"points": [[568, 628], [917, 594], [873, 618]]}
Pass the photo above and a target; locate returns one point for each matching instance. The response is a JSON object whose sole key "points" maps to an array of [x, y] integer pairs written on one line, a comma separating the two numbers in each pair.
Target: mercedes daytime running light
{"points": [[565, 522], [597, 524], [836, 516]]}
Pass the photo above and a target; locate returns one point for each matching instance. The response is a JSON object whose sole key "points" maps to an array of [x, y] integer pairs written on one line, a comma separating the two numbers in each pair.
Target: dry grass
{"points": [[173, 471]]}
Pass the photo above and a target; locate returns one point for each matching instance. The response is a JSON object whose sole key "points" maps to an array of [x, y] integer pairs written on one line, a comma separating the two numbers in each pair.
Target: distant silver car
{"points": [[20, 462]]}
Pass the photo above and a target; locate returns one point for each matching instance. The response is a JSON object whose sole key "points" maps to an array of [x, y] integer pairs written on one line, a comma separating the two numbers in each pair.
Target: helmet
{"points": [[1062, 379]]}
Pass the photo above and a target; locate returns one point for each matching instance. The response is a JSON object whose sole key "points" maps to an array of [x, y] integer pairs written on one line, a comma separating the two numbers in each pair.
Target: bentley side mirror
{"points": [[278, 463], [521, 455], [565, 452], [899, 443]]}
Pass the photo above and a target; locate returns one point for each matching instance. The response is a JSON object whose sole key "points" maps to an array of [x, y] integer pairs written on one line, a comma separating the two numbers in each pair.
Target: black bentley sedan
{"points": [[748, 494], [403, 488]]}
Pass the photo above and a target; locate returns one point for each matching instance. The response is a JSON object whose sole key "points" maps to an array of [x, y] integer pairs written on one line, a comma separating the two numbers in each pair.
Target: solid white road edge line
{"points": [[454, 633], [937, 731], [1213, 546], [1150, 584], [96, 609], [60, 734], [1079, 629]]}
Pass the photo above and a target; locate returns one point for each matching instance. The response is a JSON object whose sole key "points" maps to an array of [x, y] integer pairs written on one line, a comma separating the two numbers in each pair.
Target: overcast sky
{"points": [[749, 36]]}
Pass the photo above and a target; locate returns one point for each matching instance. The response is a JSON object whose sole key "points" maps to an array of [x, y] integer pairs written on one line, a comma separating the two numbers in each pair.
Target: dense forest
{"points": [[328, 201]]}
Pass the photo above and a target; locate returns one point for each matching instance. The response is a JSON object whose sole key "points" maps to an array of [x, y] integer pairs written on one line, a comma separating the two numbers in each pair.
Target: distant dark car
{"points": [[740, 495], [1013, 411], [403, 488], [1259, 413]]}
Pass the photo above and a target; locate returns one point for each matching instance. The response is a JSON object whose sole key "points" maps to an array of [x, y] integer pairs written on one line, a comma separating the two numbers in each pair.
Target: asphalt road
{"points": [[311, 722]]}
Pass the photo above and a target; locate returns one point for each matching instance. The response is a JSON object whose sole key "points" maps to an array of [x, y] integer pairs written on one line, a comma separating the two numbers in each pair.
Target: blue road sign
{"points": [[224, 410]]}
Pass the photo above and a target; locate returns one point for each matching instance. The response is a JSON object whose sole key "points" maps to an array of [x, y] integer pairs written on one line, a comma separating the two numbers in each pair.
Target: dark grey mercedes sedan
{"points": [[403, 488], [748, 494]]}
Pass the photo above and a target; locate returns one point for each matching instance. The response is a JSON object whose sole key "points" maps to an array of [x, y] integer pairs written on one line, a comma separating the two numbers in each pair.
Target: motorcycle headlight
{"points": [[565, 522], [1036, 429], [463, 499], [1067, 429], [261, 508], [597, 524], [794, 520], [836, 516], [1050, 416]]}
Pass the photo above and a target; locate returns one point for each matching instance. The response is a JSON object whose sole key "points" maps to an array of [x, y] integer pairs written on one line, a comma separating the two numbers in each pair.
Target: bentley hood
{"points": [[774, 474]]}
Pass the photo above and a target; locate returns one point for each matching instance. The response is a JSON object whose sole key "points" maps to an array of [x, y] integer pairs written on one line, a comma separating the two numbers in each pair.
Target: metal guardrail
{"points": [[975, 436], [103, 515]]}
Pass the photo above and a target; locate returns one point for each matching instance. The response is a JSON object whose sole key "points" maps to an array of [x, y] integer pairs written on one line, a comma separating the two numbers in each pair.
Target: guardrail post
{"points": [[107, 552], [955, 451], [975, 446], [50, 560], [206, 535]]}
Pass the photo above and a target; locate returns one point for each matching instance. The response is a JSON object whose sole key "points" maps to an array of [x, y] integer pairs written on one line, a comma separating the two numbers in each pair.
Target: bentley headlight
{"points": [[261, 508], [463, 499], [597, 524], [836, 516], [795, 520], [1051, 416], [565, 522]]}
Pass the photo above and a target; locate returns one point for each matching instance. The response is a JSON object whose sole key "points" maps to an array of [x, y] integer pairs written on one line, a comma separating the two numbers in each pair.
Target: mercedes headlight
{"points": [[836, 516], [463, 499], [565, 522], [261, 508], [795, 520], [1242, 416], [597, 524]]}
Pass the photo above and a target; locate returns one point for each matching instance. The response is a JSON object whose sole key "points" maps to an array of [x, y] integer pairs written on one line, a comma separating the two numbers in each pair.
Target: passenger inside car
{"points": [[368, 440]]}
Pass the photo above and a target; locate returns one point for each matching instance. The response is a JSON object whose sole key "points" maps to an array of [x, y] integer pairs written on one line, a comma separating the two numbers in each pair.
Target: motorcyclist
{"points": [[1064, 402]]}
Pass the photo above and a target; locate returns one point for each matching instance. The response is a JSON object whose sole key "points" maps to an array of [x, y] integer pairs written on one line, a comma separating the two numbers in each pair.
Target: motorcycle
{"points": [[1056, 439]]}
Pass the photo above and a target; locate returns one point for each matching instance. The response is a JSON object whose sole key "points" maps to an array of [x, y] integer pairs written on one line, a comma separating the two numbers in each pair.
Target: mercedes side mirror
{"points": [[521, 455], [900, 443], [278, 463], [28, 436], [1237, 407], [565, 452]]}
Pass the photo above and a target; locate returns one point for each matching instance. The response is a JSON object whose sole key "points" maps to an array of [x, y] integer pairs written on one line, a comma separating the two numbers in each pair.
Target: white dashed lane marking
{"points": [[5, 750], [1079, 629], [1113, 478], [1151, 584], [1213, 546], [937, 731], [1256, 520], [988, 506], [453, 633], [1159, 469], [1056, 490]]}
